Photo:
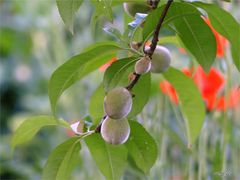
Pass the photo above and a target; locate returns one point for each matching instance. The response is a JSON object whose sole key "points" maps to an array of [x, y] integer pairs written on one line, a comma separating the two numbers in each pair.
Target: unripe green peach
{"points": [[143, 65], [118, 103], [115, 131], [131, 8], [161, 59]]}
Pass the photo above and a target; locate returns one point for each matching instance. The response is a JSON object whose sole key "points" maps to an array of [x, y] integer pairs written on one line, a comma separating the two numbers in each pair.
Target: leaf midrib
{"points": [[179, 16], [71, 153], [110, 161], [69, 78], [32, 130], [138, 148], [172, 19], [202, 53], [222, 27]]}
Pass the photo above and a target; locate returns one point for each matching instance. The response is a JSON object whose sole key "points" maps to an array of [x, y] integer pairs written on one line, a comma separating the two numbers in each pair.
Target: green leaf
{"points": [[114, 74], [198, 38], [169, 39], [191, 102], [114, 32], [77, 67], [117, 75], [142, 93], [224, 23], [153, 18], [120, 2], [103, 8], [96, 104], [29, 128], [110, 159], [67, 10], [107, 6], [141, 147], [194, 33], [62, 160]]}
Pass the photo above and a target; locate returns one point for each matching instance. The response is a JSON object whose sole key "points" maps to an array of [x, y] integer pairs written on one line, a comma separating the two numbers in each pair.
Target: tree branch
{"points": [[98, 128], [149, 53], [134, 81], [157, 29], [154, 41]]}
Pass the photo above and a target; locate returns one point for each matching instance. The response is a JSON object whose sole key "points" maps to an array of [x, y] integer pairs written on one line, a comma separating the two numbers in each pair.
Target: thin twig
{"points": [[133, 82], [98, 128], [149, 53], [157, 29], [154, 5], [153, 43]]}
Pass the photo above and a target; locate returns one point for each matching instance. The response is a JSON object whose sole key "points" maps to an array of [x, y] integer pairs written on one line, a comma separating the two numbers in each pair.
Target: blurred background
{"points": [[34, 42]]}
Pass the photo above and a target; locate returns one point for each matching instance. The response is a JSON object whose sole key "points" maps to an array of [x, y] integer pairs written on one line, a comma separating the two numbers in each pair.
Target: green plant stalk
{"points": [[235, 161], [163, 147], [200, 157], [158, 130], [202, 154], [180, 122], [193, 159], [191, 168], [225, 114]]}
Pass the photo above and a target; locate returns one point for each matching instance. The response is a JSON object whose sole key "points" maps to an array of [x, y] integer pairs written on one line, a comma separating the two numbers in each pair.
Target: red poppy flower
{"points": [[233, 99], [220, 40], [105, 66], [209, 85], [168, 89]]}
